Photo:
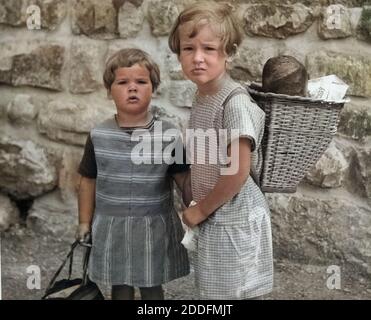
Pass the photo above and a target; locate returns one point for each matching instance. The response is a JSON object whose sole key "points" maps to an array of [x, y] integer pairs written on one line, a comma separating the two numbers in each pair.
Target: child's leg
{"points": [[122, 292], [152, 293]]}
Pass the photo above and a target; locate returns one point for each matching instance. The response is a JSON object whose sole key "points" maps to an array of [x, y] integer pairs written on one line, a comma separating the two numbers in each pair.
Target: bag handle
{"points": [[70, 258], [85, 278]]}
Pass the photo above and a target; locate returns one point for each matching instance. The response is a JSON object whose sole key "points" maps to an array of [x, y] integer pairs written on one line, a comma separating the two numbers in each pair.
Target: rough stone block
{"points": [[330, 170], [308, 227], [21, 110], [94, 18], [354, 70], [40, 68], [86, 66], [364, 26], [279, 21], [335, 22], [355, 121], [9, 213], [17, 12], [24, 158], [161, 16], [68, 122], [130, 20]]}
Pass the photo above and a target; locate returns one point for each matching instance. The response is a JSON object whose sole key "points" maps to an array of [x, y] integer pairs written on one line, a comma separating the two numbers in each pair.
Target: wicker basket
{"points": [[298, 130]]}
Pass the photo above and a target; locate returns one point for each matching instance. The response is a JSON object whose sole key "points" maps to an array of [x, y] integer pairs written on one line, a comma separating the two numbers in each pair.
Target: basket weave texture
{"points": [[297, 132]]}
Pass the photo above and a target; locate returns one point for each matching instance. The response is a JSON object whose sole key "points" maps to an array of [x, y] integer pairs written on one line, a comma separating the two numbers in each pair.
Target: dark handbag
{"points": [[73, 289]]}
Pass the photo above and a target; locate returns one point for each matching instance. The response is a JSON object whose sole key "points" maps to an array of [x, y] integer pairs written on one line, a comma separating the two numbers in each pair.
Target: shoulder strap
{"points": [[232, 94]]}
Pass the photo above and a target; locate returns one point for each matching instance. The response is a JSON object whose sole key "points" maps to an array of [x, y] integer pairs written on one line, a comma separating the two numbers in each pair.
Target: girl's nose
{"points": [[132, 87], [198, 57]]}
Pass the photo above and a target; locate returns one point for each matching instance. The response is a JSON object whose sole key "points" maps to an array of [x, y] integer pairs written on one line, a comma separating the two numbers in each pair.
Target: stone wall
{"points": [[51, 95]]}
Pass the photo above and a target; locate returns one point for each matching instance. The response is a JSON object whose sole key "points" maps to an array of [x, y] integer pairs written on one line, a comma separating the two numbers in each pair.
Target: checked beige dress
{"points": [[234, 255]]}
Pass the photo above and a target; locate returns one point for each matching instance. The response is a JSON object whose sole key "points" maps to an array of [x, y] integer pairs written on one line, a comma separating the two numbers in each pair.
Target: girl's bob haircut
{"points": [[219, 15], [126, 58]]}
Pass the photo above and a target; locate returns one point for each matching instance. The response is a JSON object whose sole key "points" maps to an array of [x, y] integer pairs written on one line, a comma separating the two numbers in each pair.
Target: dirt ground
{"points": [[21, 248]]}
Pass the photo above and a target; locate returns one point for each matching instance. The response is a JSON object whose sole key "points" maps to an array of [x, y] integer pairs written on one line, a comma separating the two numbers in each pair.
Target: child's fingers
{"points": [[186, 220]]}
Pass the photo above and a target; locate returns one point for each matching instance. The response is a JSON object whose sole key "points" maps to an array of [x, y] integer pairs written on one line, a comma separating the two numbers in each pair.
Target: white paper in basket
{"points": [[190, 238], [328, 88]]}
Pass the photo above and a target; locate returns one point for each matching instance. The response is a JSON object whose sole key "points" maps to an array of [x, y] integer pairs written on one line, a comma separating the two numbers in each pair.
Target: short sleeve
{"points": [[178, 167], [88, 165], [243, 114], [180, 164]]}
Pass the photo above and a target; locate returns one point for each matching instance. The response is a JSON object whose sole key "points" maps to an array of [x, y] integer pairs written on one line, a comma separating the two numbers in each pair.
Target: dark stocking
{"points": [[152, 293], [122, 292]]}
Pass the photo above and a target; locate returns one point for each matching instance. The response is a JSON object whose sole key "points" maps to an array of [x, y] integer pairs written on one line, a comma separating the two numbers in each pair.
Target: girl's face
{"points": [[202, 57], [132, 90]]}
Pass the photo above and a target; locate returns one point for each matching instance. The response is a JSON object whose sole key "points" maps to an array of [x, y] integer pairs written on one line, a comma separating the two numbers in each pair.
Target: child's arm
{"points": [[86, 206], [183, 181], [226, 187]]}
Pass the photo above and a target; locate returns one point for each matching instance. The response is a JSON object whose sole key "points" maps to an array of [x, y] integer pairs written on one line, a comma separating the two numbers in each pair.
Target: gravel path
{"points": [[21, 248]]}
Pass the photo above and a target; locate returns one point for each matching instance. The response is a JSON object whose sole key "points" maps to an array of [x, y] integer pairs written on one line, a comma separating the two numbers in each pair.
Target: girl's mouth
{"points": [[133, 99], [198, 70]]}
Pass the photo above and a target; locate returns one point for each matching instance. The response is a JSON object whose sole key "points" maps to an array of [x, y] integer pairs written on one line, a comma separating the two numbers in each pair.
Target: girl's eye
{"points": [[187, 48], [210, 48], [142, 81], [122, 82]]}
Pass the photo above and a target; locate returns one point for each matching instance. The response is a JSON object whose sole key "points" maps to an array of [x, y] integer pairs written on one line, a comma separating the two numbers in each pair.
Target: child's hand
{"points": [[192, 216], [83, 232], [187, 189]]}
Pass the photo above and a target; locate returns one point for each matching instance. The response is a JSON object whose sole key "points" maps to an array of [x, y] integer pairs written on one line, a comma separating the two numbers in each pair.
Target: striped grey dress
{"points": [[136, 231], [234, 256]]}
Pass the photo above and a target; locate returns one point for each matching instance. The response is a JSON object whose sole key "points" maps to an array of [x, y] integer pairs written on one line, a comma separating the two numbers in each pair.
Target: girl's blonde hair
{"points": [[126, 58], [220, 15]]}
